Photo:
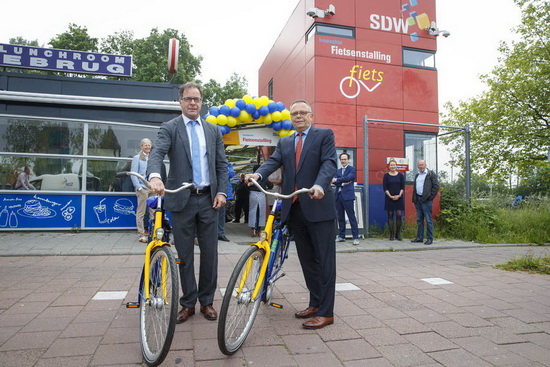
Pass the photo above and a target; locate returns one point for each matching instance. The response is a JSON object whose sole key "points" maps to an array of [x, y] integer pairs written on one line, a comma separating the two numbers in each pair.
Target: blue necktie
{"points": [[195, 154]]}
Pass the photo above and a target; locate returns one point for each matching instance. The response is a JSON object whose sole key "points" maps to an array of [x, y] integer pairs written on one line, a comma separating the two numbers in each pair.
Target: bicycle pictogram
{"points": [[357, 83]]}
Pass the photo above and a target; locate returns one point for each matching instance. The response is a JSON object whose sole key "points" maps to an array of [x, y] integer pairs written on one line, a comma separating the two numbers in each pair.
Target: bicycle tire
{"points": [[238, 311], [158, 317]]}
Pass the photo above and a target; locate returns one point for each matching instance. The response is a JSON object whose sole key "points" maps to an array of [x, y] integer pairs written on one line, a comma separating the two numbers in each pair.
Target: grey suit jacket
{"points": [[172, 140]]}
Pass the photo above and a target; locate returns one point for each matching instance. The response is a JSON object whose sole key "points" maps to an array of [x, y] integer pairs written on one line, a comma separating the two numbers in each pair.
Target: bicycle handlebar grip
{"points": [[121, 174]]}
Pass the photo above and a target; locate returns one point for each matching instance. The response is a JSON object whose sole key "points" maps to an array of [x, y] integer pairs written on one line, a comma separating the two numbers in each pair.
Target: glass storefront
{"points": [[73, 165]]}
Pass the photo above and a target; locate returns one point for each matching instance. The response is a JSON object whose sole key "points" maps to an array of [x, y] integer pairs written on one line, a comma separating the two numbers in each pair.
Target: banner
{"points": [[66, 61]]}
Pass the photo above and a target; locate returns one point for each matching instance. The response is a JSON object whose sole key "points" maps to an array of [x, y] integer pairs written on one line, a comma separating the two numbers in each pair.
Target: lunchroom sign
{"points": [[38, 58]]}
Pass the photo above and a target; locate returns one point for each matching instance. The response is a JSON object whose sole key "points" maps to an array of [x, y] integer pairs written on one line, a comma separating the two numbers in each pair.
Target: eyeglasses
{"points": [[194, 99], [299, 113]]}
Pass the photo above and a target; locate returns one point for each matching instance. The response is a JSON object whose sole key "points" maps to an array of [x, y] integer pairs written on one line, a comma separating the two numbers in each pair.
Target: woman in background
{"points": [[139, 165], [394, 188]]}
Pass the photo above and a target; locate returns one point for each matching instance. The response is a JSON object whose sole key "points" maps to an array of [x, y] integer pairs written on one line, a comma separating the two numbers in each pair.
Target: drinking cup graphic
{"points": [[100, 211]]}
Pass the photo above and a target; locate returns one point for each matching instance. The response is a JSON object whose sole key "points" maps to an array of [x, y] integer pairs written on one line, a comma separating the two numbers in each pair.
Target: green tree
{"points": [[511, 120], [76, 38], [150, 57], [216, 95]]}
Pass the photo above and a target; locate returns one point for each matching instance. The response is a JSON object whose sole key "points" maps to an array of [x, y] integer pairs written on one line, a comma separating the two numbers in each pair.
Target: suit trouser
{"points": [[346, 206], [199, 219], [316, 247], [142, 196]]}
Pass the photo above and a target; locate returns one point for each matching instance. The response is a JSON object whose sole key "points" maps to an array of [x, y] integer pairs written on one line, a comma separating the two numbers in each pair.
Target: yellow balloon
{"points": [[245, 116], [222, 120], [230, 103], [212, 119], [267, 119], [283, 133], [232, 121], [285, 115], [276, 116], [257, 102], [248, 99], [260, 120], [264, 100]]}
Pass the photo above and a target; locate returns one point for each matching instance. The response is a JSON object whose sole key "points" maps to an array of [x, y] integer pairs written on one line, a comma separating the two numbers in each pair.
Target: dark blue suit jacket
{"points": [[317, 166], [346, 191]]}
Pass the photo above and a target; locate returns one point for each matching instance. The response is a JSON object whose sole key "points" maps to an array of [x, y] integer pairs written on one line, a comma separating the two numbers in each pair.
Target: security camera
{"points": [[331, 10], [314, 13]]}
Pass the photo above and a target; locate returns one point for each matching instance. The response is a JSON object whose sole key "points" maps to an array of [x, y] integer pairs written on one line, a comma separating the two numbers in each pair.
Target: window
{"points": [[350, 151], [420, 146], [30, 135], [418, 58], [330, 30], [110, 140], [270, 89]]}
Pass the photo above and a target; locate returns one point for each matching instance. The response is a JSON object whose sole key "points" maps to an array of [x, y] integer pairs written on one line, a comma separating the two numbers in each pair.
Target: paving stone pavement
{"points": [[445, 307]]}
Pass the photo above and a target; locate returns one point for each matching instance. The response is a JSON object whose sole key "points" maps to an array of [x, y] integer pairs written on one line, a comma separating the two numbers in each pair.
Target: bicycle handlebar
{"points": [[280, 196], [184, 185]]}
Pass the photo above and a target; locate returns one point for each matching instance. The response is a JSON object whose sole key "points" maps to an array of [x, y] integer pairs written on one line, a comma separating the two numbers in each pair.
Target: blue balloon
{"points": [[241, 104], [264, 111], [280, 106], [224, 129], [235, 111], [286, 125], [277, 125], [272, 107], [251, 108], [214, 111], [225, 110], [256, 115]]}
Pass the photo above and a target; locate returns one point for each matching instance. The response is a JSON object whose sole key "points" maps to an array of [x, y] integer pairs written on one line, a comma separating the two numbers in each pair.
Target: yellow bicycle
{"points": [[254, 277], [159, 284]]}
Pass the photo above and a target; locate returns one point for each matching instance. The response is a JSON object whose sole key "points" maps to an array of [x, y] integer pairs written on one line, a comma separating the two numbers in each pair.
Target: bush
{"points": [[494, 219]]}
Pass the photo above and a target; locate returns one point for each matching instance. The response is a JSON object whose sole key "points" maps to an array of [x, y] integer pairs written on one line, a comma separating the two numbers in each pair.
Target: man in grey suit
{"points": [[196, 152], [309, 160]]}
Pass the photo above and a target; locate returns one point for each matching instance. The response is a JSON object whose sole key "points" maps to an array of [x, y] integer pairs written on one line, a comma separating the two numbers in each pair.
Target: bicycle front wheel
{"points": [[158, 314], [238, 309]]}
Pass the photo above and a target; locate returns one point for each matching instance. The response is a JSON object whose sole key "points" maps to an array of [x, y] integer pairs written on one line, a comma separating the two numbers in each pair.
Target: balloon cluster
{"points": [[246, 110]]}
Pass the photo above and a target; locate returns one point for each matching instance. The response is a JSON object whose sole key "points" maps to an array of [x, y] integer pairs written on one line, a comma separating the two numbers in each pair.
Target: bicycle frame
{"points": [[265, 241]]}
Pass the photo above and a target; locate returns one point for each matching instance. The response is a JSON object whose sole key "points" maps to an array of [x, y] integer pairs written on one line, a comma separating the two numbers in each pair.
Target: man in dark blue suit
{"points": [[311, 217], [345, 199]]}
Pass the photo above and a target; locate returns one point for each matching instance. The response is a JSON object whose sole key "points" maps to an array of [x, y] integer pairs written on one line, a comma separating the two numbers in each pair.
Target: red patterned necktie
{"points": [[298, 154]]}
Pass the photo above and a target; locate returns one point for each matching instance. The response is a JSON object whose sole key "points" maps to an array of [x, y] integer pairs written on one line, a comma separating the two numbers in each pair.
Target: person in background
{"points": [[139, 165], [393, 184], [345, 199], [221, 211], [196, 152], [425, 189], [242, 194], [309, 161], [276, 179], [257, 207], [22, 182]]}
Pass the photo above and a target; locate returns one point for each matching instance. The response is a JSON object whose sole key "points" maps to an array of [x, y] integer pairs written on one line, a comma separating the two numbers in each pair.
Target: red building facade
{"points": [[370, 58]]}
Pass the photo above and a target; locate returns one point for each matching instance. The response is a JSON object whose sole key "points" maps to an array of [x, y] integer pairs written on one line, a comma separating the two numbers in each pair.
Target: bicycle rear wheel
{"points": [[158, 315], [238, 309]]}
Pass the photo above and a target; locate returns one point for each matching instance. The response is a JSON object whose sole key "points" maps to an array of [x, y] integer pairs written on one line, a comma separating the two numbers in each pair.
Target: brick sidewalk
{"points": [[484, 317]]}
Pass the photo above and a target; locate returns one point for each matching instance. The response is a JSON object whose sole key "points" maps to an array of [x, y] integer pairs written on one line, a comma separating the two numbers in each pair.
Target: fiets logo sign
{"points": [[369, 79]]}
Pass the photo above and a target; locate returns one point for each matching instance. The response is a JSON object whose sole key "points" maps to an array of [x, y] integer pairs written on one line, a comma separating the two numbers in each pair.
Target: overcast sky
{"points": [[235, 36]]}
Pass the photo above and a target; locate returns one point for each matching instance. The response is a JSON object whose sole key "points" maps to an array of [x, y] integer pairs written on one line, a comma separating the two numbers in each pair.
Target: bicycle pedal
{"points": [[132, 304], [178, 261], [276, 305]]}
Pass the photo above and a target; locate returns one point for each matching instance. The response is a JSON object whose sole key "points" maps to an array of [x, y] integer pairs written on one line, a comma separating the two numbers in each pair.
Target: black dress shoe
{"points": [[428, 242], [223, 238], [417, 240]]}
